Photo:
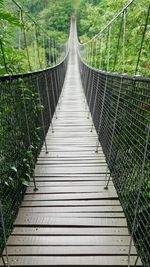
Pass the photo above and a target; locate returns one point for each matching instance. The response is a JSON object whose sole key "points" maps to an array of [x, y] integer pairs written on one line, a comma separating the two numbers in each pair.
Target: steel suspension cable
{"points": [[25, 40]]}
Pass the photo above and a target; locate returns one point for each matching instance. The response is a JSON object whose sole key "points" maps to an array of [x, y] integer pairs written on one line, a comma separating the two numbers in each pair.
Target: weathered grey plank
{"points": [[73, 214], [115, 231], [71, 189], [32, 220], [69, 240], [70, 250], [111, 261], [71, 203], [44, 182], [70, 196]]}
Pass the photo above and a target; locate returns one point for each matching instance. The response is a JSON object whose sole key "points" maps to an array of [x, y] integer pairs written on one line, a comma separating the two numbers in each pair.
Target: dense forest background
{"points": [[36, 40]]}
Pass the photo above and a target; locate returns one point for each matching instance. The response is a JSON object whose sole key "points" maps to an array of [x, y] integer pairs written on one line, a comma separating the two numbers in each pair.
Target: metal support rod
{"points": [[95, 100], [91, 54], [108, 53], [101, 52], [38, 51], [19, 32], [118, 43], [49, 52], [29, 137], [136, 261], [123, 42], [95, 53], [35, 48], [139, 192], [101, 113], [25, 40], [49, 106], [53, 96], [4, 236], [112, 136], [44, 63], [57, 92], [59, 85], [84, 82], [42, 115], [90, 95], [142, 41], [88, 86]]}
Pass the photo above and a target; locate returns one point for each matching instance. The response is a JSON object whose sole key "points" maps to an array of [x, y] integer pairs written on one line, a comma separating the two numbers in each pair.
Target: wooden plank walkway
{"points": [[71, 220]]}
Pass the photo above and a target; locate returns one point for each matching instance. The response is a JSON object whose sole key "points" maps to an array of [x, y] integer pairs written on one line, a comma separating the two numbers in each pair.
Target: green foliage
{"points": [[124, 51], [20, 38]]}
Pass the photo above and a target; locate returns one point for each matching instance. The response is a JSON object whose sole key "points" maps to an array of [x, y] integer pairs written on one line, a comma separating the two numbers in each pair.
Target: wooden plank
{"points": [[71, 189], [111, 261], [70, 250], [71, 154], [73, 214], [71, 161], [47, 169], [71, 164], [82, 209], [70, 203], [44, 182], [69, 240], [71, 196], [77, 231], [33, 220]]}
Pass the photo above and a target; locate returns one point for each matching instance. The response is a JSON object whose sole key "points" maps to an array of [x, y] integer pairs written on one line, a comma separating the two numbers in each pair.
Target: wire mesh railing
{"points": [[120, 108], [27, 105]]}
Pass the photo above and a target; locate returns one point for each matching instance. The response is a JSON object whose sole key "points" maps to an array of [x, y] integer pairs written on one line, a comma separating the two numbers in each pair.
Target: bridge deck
{"points": [[71, 219]]}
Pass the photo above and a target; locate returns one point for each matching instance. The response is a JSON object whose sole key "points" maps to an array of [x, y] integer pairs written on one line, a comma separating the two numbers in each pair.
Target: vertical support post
{"points": [[95, 53], [108, 53], [88, 87], [101, 51], [42, 116], [35, 48], [53, 96], [123, 42], [19, 33], [112, 136], [90, 95], [49, 48], [95, 100], [38, 52], [28, 132], [101, 113], [49, 106], [25, 40], [44, 63]]}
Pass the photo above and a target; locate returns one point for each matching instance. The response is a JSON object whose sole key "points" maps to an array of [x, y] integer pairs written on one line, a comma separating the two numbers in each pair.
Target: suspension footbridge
{"points": [[76, 210]]}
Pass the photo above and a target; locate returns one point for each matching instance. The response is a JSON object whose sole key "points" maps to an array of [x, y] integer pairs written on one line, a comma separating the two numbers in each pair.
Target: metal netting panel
{"points": [[25, 117], [120, 107]]}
